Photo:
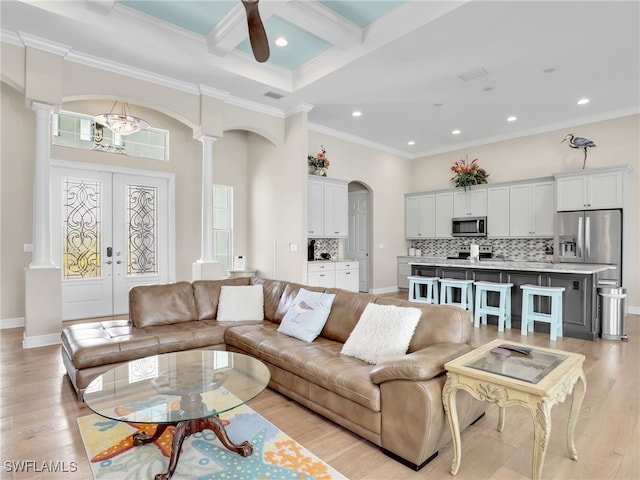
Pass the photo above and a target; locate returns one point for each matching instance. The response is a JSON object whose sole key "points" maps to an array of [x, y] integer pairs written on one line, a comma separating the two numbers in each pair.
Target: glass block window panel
{"points": [[222, 224], [142, 212], [143, 369], [81, 131], [81, 229]]}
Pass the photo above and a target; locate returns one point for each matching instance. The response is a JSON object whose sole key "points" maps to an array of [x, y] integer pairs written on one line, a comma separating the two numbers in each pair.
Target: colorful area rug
{"points": [[275, 455]]}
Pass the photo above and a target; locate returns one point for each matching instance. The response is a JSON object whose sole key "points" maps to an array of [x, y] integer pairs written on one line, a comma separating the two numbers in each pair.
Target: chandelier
{"points": [[122, 123]]}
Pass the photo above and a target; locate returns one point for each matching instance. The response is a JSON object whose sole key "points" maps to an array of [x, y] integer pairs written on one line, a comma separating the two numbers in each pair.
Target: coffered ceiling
{"points": [[416, 70]]}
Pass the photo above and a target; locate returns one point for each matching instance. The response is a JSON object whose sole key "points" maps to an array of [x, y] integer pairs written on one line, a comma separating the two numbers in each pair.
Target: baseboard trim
{"points": [[11, 323], [635, 310], [379, 291], [407, 463], [41, 340]]}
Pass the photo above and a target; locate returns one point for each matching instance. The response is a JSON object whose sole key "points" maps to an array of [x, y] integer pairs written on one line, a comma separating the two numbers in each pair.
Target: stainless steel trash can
{"points": [[612, 301]]}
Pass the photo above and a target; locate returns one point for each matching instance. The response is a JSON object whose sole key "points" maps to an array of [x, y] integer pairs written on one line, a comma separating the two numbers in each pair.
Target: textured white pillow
{"points": [[308, 314], [382, 332], [241, 302]]}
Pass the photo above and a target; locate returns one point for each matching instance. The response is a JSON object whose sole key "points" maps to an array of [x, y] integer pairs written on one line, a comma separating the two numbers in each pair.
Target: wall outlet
{"points": [[27, 247], [293, 247]]}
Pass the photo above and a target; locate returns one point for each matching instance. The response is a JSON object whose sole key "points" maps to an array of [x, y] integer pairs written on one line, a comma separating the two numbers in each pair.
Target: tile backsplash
{"points": [[332, 246], [520, 249]]}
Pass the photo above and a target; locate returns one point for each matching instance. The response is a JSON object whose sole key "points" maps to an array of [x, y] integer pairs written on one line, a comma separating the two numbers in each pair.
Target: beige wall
{"points": [[618, 143]]}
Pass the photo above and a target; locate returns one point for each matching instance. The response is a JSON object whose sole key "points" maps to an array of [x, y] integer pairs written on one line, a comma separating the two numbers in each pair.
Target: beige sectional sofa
{"points": [[396, 404]]}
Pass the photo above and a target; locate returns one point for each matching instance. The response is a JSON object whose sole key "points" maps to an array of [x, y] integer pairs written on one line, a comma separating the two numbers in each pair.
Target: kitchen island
{"points": [[580, 298]]}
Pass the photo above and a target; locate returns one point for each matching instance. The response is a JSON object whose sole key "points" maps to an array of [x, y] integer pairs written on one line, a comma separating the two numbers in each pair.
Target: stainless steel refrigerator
{"points": [[591, 236]]}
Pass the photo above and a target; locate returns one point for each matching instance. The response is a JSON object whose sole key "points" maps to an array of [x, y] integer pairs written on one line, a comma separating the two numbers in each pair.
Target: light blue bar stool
{"points": [[415, 289], [529, 315], [502, 311], [466, 293]]}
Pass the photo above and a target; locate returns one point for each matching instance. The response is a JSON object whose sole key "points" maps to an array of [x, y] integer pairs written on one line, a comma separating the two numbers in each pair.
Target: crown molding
{"points": [[10, 37], [255, 107], [33, 41], [354, 139], [300, 108], [213, 92]]}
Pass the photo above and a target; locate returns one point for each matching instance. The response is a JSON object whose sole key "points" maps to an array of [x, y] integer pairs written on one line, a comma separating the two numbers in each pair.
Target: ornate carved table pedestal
{"points": [[536, 380]]}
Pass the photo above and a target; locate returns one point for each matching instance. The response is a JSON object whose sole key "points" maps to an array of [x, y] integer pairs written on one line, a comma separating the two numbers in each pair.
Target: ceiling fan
{"points": [[257, 35]]}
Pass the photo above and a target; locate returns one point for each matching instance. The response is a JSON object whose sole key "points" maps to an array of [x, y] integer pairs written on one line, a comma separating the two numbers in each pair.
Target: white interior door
{"points": [[358, 239], [109, 233]]}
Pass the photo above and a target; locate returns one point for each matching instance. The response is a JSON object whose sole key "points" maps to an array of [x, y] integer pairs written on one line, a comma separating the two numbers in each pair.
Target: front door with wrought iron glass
{"points": [[109, 233]]}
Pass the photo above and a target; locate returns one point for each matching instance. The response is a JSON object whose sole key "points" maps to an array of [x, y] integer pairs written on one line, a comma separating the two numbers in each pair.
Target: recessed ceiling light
{"points": [[583, 101], [356, 113], [281, 42], [455, 132], [411, 142], [512, 118]]}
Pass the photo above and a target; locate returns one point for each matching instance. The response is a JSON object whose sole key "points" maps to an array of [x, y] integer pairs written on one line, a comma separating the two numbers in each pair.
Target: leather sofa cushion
{"points": [[320, 362], [206, 294], [438, 323], [272, 291], [169, 304], [115, 341], [424, 364], [288, 296], [345, 313]]}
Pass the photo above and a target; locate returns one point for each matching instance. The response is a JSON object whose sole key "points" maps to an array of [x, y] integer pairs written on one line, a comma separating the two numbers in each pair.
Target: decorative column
{"points": [[43, 280], [207, 268], [41, 189]]}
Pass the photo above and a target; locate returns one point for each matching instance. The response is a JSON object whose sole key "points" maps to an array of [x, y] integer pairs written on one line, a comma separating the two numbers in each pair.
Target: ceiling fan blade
{"points": [[257, 35]]}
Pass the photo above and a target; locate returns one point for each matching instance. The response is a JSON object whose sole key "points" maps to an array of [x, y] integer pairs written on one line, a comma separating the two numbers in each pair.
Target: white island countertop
{"points": [[580, 268]]}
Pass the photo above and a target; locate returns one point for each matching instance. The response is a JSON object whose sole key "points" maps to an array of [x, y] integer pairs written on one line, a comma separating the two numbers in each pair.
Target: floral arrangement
{"points": [[319, 164], [467, 174]]}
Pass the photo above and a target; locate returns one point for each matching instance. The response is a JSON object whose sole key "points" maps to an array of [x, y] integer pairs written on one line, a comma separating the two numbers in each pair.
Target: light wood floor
{"points": [[38, 412]]}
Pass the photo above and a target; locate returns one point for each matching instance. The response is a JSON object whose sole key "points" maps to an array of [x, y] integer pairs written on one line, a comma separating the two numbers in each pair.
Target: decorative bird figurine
{"points": [[579, 142]]}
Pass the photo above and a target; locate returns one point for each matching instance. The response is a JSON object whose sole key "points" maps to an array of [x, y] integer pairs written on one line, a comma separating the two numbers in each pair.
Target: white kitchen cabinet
{"points": [[321, 274], [336, 209], [347, 276], [404, 271], [420, 216], [444, 214], [498, 211], [531, 209], [316, 208], [591, 189], [328, 208], [470, 203]]}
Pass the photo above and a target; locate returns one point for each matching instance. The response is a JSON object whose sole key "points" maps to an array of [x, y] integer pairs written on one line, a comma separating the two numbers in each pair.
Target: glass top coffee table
{"points": [[510, 373], [185, 389]]}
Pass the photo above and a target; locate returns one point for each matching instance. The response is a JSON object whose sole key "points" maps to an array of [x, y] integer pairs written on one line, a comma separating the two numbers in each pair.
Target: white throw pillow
{"points": [[241, 302], [308, 314], [382, 332]]}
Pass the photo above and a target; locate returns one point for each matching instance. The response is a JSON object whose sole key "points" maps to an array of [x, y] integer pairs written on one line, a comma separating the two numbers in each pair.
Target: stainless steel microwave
{"points": [[469, 227]]}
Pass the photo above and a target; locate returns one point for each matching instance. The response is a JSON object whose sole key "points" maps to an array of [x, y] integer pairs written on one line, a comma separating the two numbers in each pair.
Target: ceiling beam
{"points": [[233, 29], [322, 22], [102, 6]]}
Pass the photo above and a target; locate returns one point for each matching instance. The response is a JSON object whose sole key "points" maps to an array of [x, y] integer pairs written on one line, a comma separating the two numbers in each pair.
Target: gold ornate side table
{"points": [[536, 379]]}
